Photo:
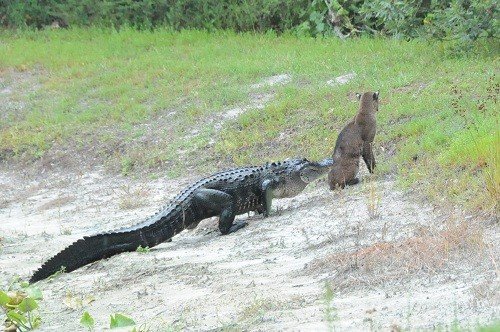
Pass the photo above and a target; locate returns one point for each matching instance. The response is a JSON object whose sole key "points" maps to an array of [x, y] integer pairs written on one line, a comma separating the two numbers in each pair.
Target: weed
{"points": [[142, 249], [117, 321], [65, 231], [76, 301], [132, 198], [87, 321], [331, 314], [20, 305], [58, 273], [373, 200], [257, 311], [493, 326]]}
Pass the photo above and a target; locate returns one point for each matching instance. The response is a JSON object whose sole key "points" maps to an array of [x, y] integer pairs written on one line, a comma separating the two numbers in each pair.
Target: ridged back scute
{"points": [[85, 251]]}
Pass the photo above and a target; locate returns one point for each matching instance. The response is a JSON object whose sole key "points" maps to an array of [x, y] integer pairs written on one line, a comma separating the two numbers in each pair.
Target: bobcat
{"points": [[355, 140]]}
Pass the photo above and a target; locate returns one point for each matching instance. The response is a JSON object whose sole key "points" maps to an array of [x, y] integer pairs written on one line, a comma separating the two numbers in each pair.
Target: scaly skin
{"points": [[224, 194]]}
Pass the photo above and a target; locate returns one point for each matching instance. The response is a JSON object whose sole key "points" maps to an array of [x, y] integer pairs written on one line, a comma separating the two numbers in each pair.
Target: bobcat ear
{"points": [[375, 95], [358, 95]]}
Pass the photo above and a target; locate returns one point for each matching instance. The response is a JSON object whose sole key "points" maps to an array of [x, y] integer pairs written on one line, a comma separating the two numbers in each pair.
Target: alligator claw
{"points": [[237, 225]]}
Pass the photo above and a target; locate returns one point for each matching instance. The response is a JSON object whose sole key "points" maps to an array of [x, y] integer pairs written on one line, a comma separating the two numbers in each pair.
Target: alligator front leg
{"points": [[268, 186], [223, 204]]}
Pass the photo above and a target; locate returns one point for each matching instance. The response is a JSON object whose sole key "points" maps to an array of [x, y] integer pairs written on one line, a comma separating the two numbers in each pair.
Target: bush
{"points": [[246, 15], [462, 21]]}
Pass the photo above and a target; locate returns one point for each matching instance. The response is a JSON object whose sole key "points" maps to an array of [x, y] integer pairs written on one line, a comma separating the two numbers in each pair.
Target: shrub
{"points": [[461, 21]]}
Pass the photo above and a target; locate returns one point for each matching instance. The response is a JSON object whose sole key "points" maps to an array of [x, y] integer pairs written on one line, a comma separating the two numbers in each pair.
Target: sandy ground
{"points": [[270, 275], [368, 257]]}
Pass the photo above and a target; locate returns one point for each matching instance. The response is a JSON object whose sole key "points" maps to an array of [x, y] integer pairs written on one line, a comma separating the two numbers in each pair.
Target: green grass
{"points": [[117, 92]]}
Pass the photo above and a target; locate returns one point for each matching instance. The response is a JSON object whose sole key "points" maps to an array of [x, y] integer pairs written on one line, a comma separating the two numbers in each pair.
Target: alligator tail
{"points": [[88, 250], [157, 229]]}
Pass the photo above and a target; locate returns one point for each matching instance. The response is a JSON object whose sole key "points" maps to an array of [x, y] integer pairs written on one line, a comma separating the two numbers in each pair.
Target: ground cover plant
{"points": [[171, 102]]}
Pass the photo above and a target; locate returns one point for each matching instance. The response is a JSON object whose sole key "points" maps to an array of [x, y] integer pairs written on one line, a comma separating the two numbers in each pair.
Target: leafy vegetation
{"points": [[119, 320], [143, 250], [87, 321], [260, 15], [20, 306], [461, 20], [331, 314], [116, 321], [152, 101], [494, 326]]}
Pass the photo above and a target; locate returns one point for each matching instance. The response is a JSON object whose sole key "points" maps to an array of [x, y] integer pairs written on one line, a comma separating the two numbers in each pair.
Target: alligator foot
{"points": [[236, 226], [352, 182]]}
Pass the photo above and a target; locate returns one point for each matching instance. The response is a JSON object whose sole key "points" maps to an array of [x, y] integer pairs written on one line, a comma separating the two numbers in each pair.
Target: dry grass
{"points": [[132, 198], [4, 203], [492, 178], [428, 251], [373, 200], [56, 203], [261, 310], [486, 293]]}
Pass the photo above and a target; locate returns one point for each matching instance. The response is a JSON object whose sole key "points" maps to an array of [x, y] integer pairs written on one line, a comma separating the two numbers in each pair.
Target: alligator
{"points": [[224, 194]]}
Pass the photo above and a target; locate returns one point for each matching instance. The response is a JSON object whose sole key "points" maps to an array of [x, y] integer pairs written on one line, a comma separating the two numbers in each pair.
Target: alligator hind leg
{"points": [[223, 204], [352, 182]]}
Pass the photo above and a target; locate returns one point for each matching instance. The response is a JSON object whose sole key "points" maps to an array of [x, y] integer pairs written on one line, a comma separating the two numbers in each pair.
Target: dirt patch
{"points": [[415, 87], [261, 277], [15, 86], [341, 80], [273, 80], [56, 203], [257, 101]]}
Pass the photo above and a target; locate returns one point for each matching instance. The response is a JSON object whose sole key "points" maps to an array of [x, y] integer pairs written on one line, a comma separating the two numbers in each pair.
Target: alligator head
{"points": [[298, 175]]}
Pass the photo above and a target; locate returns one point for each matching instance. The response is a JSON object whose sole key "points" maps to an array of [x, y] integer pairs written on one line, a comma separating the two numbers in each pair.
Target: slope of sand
{"points": [[390, 260]]}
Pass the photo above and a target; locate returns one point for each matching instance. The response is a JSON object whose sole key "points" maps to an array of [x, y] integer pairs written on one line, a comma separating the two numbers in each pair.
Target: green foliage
{"points": [[119, 320], [20, 303], [491, 327], [58, 273], [278, 15], [87, 321], [463, 21], [142, 249], [127, 166], [331, 314]]}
